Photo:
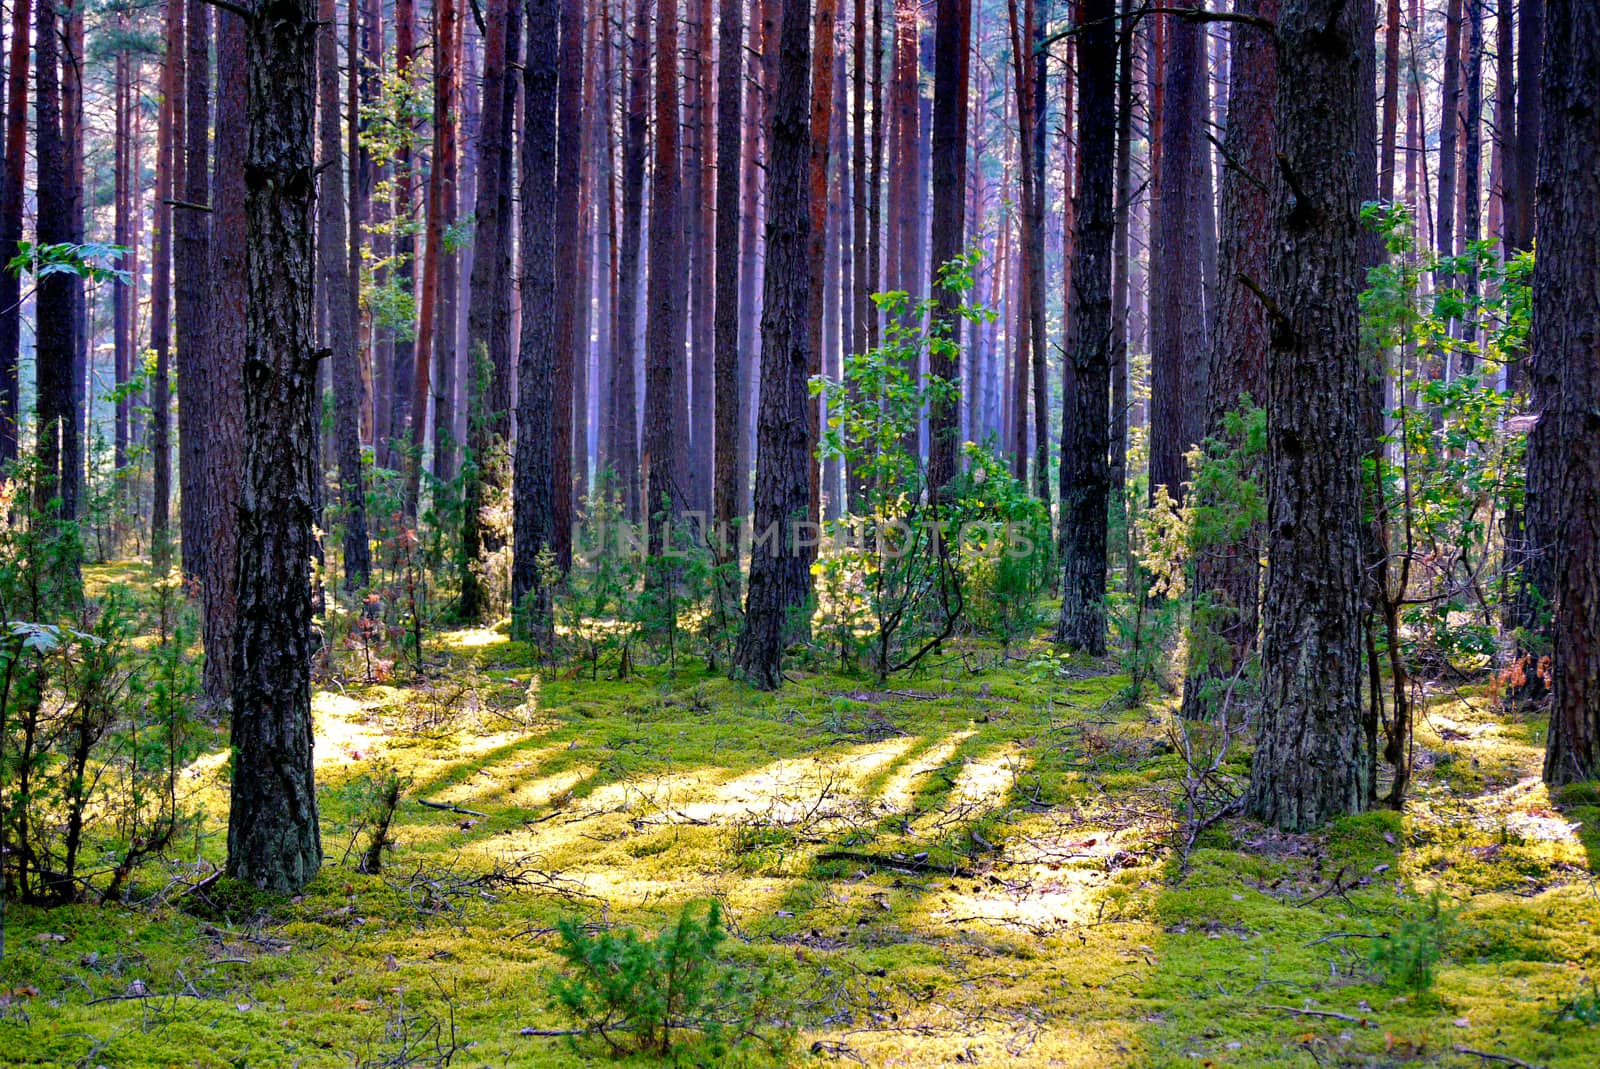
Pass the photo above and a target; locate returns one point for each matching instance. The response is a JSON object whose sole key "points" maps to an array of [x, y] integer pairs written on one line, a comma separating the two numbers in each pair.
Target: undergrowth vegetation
{"points": [[990, 858]]}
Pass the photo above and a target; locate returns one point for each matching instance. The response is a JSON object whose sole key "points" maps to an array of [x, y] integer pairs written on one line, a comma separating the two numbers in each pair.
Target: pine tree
{"points": [[1311, 762], [274, 841]]}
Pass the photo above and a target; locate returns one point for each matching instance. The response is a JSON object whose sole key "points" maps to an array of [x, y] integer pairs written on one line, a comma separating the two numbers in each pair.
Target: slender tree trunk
{"points": [[122, 234], [698, 179], [1311, 762], [225, 402], [1178, 348], [446, 163], [1121, 264], [12, 192], [864, 282], [624, 428], [816, 256], [273, 838], [333, 256], [534, 488], [778, 570], [1564, 448], [1391, 97], [191, 231], [168, 163], [1449, 131], [570, 345], [952, 46], [729, 478], [664, 314], [402, 369], [1086, 397], [489, 305]]}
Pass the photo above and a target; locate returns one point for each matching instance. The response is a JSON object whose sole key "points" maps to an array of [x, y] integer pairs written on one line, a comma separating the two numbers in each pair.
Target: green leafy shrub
{"points": [[649, 995]]}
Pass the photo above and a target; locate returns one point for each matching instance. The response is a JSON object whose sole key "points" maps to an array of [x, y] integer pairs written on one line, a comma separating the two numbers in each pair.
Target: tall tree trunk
{"points": [[1391, 98], [953, 35], [1449, 131], [1086, 397], [698, 162], [191, 231], [446, 163], [333, 259], [534, 487], [1564, 448], [778, 570], [439, 210], [273, 838], [1311, 762], [664, 313], [1227, 573], [225, 402], [570, 345], [169, 157], [1121, 264], [816, 255], [1178, 348], [489, 304], [624, 427], [865, 280], [392, 453], [729, 478], [12, 193], [122, 234]]}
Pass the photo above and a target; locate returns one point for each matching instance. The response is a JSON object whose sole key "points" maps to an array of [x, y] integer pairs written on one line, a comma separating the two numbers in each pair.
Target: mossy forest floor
{"points": [[951, 868]]}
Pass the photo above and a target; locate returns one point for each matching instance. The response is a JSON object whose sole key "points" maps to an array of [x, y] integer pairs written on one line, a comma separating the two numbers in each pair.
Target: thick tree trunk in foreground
{"points": [[1311, 762], [273, 838], [1228, 572], [1564, 450], [334, 261], [778, 570], [1085, 432]]}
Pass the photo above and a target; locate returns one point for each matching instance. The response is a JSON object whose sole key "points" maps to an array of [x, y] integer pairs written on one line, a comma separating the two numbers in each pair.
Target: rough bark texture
{"points": [[728, 479], [1121, 263], [571, 339], [1311, 762], [1177, 307], [1229, 573], [952, 38], [191, 272], [1564, 449], [1085, 412], [664, 392], [225, 402], [12, 190], [57, 406], [623, 430], [168, 159], [446, 164], [402, 351], [533, 489], [273, 837], [334, 260], [489, 303], [778, 570]]}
